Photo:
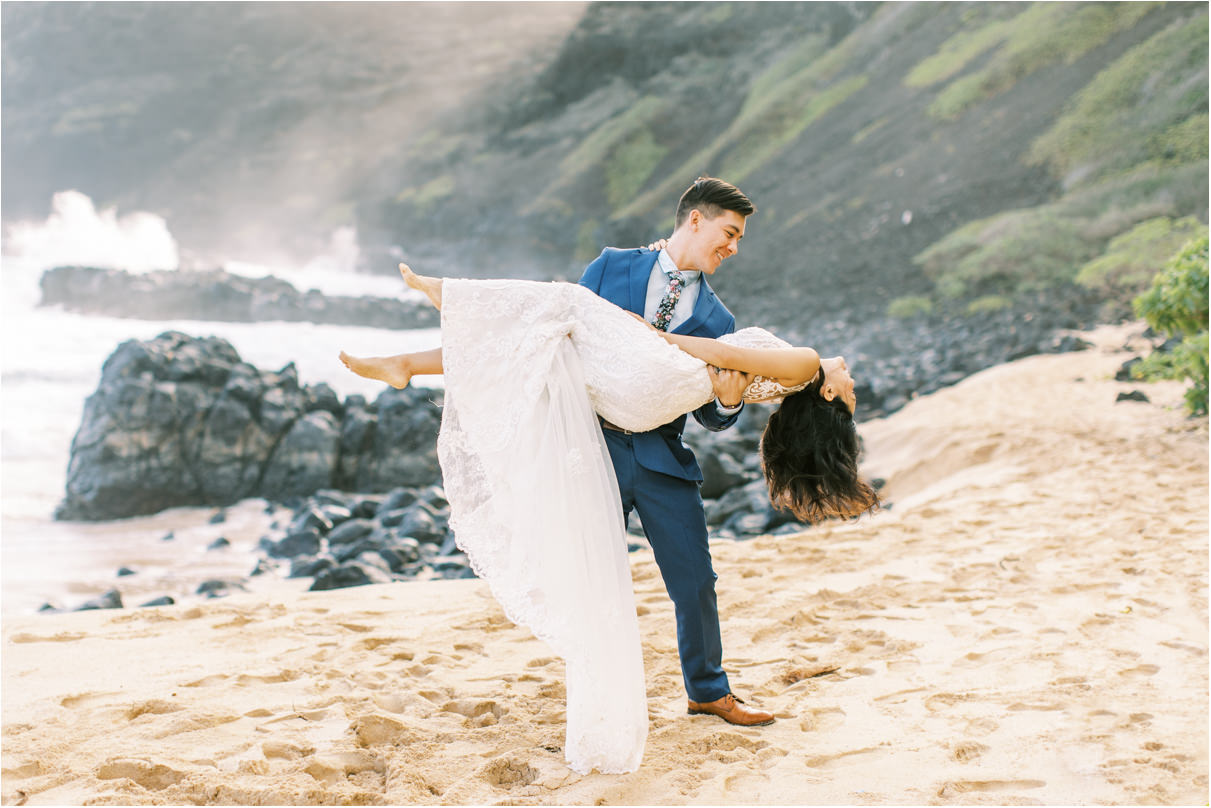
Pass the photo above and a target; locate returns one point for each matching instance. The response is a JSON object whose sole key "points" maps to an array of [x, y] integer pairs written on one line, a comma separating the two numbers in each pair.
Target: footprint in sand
{"points": [[974, 660], [338, 767], [719, 742], [380, 730], [1141, 670], [375, 643], [208, 681], [152, 707], [981, 726], [966, 751], [854, 755], [956, 787], [477, 713], [509, 773], [245, 679], [62, 636], [152, 776], [822, 720], [82, 699], [284, 750], [553, 690]]}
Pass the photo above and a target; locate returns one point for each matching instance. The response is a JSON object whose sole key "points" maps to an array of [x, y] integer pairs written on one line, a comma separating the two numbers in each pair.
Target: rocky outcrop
{"points": [[181, 421], [219, 295]]}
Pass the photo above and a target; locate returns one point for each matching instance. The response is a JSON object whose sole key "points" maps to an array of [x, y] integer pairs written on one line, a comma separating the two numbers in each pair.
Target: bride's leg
{"points": [[432, 287], [396, 370]]}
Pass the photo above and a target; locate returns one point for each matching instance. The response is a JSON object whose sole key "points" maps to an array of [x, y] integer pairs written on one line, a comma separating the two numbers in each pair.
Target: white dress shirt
{"points": [[658, 284]]}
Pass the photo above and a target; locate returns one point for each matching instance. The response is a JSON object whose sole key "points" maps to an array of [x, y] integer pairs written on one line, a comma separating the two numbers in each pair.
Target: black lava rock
{"points": [[347, 575], [110, 600]]}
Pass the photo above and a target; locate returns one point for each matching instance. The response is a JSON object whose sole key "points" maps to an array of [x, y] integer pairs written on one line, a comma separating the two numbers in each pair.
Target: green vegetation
{"points": [[1044, 34], [782, 124], [596, 148], [1013, 252], [988, 304], [423, 198], [1110, 236], [1131, 259], [630, 166], [869, 130], [781, 102], [903, 308], [623, 149], [718, 13], [956, 52], [1176, 305], [1149, 105], [587, 247]]}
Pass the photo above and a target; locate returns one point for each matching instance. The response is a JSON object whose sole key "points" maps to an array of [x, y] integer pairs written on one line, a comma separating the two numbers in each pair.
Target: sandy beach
{"points": [[1026, 623]]}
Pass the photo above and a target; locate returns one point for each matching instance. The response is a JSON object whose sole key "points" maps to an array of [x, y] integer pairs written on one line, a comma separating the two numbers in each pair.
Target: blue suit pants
{"points": [[675, 524]]}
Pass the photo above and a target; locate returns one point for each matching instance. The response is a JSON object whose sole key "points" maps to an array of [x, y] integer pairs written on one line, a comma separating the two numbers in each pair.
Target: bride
{"points": [[529, 369]]}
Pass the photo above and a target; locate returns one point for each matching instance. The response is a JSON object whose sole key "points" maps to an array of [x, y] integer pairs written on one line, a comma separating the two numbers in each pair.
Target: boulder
{"points": [[350, 531], [304, 542], [179, 421], [347, 575], [215, 294], [110, 600], [720, 473]]}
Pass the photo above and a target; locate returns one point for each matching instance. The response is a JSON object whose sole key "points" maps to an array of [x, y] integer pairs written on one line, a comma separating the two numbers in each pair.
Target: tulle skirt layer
{"points": [[535, 504]]}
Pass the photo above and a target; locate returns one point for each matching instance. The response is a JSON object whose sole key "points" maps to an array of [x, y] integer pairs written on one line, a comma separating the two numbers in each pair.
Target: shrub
{"points": [[1176, 305], [1016, 251], [1132, 259], [988, 304], [903, 308]]}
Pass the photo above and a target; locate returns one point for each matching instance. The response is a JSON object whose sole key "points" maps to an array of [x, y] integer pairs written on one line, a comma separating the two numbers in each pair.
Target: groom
{"points": [[657, 474]]}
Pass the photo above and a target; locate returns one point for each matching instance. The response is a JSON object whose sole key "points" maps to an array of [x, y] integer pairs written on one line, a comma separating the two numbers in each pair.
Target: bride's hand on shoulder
{"points": [[659, 244]]}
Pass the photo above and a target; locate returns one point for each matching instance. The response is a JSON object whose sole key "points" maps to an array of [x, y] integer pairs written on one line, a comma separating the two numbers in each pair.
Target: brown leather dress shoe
{"points": [[730, 710]]}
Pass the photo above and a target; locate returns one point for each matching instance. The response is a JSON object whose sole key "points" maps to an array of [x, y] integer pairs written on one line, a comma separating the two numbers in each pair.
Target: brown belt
{"points": [[607, 425]]}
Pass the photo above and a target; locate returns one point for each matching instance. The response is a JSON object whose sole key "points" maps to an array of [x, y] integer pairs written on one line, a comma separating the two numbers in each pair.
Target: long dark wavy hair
{"points": [[809, 452]]}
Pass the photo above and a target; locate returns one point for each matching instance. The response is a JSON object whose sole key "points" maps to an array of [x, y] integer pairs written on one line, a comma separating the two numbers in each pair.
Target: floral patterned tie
{"points": [[664, 312]]}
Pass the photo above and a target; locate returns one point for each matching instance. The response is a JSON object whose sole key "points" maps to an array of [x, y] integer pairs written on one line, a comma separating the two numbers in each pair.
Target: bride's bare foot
{"points": [[393, 370], [432, 287]]}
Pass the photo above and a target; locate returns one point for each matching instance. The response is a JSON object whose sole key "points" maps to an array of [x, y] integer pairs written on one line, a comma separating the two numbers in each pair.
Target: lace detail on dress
{"points": [[535, 505], [761, 388]]}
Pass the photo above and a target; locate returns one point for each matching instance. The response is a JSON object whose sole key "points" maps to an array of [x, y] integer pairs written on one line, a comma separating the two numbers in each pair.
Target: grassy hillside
{"points": [[904, 157], [947, 154]]}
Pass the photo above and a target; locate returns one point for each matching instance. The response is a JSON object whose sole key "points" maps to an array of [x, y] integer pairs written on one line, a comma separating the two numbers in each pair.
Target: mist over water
{"points": [[51, 361]]}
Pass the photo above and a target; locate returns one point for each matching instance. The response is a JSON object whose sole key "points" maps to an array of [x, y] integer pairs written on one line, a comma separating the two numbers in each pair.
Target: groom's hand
{"points": [[729, 385]]}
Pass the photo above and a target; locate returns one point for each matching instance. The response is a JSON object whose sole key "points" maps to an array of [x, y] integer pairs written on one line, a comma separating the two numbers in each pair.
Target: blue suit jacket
{"points": [[621, 277]]}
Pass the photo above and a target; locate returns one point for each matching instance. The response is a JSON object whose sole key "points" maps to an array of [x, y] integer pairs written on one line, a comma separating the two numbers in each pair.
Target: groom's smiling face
{"points": [[714, 239]]}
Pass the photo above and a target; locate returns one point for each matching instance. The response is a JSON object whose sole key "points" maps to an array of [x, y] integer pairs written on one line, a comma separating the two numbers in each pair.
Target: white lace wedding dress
{"points": [[534, 501]]}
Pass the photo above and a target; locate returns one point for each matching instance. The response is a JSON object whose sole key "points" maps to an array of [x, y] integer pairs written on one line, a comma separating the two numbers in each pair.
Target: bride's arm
{"points": [[788, 366]]}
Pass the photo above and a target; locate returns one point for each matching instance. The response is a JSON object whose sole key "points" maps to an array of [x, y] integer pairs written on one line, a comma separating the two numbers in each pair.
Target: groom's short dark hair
{"points": [[712, 196]]}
